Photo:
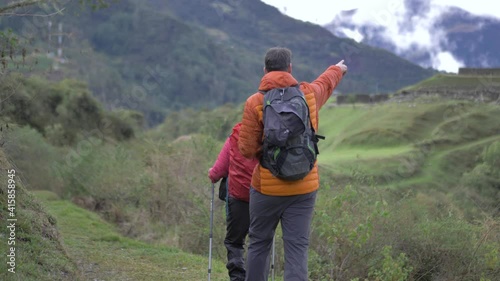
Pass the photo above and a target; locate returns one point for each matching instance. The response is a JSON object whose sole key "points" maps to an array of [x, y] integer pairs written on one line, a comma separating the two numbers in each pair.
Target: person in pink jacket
{"points": [[238, 169]]}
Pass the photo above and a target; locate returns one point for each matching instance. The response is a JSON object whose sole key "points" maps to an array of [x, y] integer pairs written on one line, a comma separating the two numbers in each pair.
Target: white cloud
{"points": [[393, 17], [323, 11], [445, 61], [354, 34]]}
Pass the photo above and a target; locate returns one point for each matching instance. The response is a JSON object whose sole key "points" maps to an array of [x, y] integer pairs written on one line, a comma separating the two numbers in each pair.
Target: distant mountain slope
{"points": [[158, 56], [472, 40], [256, 26]]}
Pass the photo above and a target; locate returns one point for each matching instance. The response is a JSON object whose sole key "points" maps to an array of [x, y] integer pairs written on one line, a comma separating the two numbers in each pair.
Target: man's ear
{"points": [[265, 70], [290, 68]]}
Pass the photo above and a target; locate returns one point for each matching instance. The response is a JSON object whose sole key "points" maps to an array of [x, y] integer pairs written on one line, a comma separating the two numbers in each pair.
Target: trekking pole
{"points": [[273, 254], [211, 232]]}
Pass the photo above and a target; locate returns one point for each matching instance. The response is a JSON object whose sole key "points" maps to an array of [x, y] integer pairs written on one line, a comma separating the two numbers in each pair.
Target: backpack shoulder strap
{"points": [[315, 136]]}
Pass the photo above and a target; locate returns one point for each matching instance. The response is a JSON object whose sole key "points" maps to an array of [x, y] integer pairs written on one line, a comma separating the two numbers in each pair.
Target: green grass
{"points": [[103, 254], [445, 166], [362, 153], [407, 144], [453, 81], [381, 125]]}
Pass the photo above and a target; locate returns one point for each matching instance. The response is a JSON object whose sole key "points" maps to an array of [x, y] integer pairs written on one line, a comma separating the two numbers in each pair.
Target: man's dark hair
{"points": [[278, 59]]}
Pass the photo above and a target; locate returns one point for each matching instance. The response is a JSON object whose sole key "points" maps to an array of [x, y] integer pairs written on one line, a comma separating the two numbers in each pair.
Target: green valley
{"points": [[408, 191], [111, 141]]}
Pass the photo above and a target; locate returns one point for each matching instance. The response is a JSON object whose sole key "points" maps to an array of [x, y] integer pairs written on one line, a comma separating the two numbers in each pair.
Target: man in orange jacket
{"points": [[271, 199]]}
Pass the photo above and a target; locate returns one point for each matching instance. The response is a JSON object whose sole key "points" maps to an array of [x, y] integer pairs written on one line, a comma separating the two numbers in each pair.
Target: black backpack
{"points": [[289, 147]]}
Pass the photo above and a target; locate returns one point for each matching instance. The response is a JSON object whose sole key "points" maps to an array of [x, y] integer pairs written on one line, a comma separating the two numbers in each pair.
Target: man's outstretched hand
{"points": [[342, 66]]}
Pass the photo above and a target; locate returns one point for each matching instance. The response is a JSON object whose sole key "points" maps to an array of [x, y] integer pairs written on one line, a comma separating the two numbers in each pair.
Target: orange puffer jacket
{"points": [[251, 132]]}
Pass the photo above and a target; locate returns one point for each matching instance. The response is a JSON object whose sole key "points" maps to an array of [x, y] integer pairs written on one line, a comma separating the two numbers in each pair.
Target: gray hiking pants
{"points": [[295, 213]]}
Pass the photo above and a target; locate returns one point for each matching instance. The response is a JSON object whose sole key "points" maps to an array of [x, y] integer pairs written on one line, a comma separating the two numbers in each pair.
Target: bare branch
{"points": [[33, 15], [19, 4]]}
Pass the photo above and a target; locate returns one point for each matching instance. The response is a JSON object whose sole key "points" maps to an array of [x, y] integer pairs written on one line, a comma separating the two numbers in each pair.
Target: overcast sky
{"points": [[390, 13]]}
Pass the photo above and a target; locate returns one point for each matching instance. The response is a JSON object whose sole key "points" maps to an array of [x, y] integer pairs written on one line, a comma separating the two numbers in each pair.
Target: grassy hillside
{"points": [[63, 112], [407, 144], [100, 252], [408, 191], [39, 251], [413, 180], [64, 242]]}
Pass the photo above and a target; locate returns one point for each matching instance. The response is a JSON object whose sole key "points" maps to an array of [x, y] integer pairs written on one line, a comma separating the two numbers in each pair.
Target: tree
{"points": [[10, 43], [7, 8], [10, 8]]}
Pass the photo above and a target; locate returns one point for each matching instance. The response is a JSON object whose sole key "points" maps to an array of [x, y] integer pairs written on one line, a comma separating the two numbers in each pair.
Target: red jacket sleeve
{"points": [[220, 168]]}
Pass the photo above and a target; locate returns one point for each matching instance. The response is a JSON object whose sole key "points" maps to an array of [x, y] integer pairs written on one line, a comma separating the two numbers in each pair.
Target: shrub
{"points": [[215, 123], [63, 111], [391, 269], [344, 226], [33, 157], [484, 178], [360, 232], [491, 155]]}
